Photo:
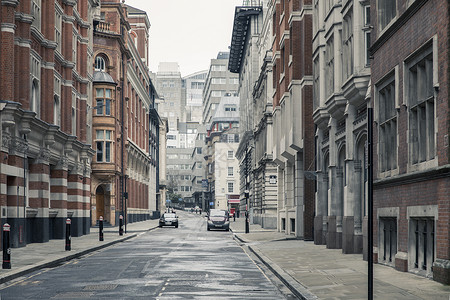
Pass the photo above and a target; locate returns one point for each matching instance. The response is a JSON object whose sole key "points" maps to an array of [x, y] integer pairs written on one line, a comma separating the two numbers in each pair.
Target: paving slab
{"points": [[320, 273]]}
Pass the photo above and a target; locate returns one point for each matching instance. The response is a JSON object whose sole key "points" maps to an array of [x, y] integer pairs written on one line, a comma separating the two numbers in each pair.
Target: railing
{"points": [[102, 27]]}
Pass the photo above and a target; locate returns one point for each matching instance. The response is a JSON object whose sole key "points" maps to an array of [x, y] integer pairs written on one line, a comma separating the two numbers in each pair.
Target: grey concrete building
{"points": [[193, 86], [341, 73], [222, 166], [218, 83], [198, 173], [179, 173]]}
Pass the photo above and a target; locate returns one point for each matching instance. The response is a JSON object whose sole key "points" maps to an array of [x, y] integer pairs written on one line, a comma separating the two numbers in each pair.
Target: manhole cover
{"points": [[100, 287], [73, 295]]}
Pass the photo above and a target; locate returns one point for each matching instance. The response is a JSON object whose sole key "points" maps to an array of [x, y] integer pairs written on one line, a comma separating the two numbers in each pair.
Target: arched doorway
{"points": [[100, 202]]}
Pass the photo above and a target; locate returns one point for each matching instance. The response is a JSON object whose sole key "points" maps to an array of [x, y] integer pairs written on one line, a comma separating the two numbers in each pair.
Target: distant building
{"points": [[198, 174], [169, 87], [194, 85], [179, 174], [219, 82], [222, 166]]}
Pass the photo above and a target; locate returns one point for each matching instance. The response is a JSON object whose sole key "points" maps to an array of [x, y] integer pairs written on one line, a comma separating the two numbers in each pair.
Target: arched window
{"points": [[100, 64]]}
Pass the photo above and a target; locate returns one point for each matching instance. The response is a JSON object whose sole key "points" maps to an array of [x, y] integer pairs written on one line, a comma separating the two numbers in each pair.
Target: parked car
{"points": [[218, 219], [168, 219]]}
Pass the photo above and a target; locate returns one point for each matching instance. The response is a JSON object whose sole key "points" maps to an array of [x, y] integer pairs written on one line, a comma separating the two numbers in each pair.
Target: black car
{"points": [[168, 219], [218, 219]]}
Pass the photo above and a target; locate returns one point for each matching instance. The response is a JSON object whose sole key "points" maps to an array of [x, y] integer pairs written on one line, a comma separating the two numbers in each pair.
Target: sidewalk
{"points": [[43, 255], [315, 272]]}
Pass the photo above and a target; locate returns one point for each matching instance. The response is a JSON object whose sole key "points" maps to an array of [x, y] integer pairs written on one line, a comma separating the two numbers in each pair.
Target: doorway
{"points": [[100, 202]]}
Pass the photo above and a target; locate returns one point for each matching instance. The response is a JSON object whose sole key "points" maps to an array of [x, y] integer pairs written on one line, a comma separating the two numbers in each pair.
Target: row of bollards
{"points": [[7, 247]]}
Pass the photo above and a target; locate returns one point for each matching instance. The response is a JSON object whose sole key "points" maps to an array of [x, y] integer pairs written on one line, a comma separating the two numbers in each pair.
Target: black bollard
{"points": [[247, 223], [68, 236], [6, 247], [100, 229], [120, 225]]}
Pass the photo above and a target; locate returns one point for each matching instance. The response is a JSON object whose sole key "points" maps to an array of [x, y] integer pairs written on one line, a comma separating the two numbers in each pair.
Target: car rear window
{"points": [[169, 215], [217, 213]]}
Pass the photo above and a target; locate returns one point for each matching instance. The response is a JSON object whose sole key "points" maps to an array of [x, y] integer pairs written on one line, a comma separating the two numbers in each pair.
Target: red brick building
{"points": [[410, 90], [124, 132], [45, 92], [292, 115]]}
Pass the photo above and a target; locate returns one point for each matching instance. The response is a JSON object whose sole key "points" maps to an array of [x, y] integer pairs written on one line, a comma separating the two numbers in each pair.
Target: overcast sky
{"points": [[190, 32]]}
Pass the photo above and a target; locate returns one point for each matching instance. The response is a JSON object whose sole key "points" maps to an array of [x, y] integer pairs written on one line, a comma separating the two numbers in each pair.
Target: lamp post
{"points": [[370, 199]]}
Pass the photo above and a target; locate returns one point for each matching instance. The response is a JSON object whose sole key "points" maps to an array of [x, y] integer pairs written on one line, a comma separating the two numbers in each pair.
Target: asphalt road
{"points": [[166, 263]]}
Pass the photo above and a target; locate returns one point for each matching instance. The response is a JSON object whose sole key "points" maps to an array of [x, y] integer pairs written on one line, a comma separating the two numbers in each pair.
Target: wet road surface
{"points": [[188, 262]]}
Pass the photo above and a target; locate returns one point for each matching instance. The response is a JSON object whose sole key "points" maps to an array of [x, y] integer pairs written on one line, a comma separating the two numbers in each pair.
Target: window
{"points": [[366, 31], [230, 138], [100, 64], [387, 10], [422, 240], [219, 68], [34, 104], [387, 126], [57, 101], [216, 93], [388, 240], [74, 47], [230, 154], [58, 27], [329, 66], [230, 187], [347, 46], [316, 82], [74, 114], [56, 110], [230, 107], [230, 171], [103, 101], [219, 80], [35, 72], [104, 145], [421, 105], [36, 13]]}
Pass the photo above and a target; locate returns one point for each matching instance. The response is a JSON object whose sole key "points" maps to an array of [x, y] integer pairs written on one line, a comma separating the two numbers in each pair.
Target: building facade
{"points": [[341, 37], [45, 93], [218, 83], [221, 163], [410, 97], [293, 148], [124, 126], [253, 63], [194, 84]]}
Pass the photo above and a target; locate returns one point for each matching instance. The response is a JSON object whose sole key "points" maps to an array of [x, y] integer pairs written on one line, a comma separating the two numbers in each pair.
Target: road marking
{"points": [[163, 289]]}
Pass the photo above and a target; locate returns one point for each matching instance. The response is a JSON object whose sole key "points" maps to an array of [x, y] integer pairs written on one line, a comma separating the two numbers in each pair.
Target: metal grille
{"points": [[100, 287]]}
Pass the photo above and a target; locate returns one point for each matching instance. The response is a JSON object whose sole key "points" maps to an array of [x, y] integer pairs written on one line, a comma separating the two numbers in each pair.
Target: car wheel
{"points": [[208, 228], [159, 226], [176, 226], [227, 229]]}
